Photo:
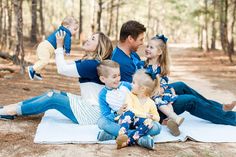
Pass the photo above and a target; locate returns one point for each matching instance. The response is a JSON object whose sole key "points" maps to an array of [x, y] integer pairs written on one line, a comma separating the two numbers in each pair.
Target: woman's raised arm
{"points": [[63, 67]]}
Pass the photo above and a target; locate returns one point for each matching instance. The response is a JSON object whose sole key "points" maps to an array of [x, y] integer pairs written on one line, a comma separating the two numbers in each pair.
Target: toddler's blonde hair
{"points": [[152, 87]]}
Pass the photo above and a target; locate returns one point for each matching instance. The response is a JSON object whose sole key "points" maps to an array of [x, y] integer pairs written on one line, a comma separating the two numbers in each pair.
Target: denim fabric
{"points": [[199, 106], [113, 128], [50, 100]]}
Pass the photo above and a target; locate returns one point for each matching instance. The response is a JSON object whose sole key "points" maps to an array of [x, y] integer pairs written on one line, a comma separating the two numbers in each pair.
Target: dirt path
{"points": [[212, 73]]}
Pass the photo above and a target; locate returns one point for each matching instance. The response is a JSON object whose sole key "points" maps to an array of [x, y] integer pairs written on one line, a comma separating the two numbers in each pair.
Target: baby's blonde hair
{"points": [[103, 69], [152, 87], [69, 20]]}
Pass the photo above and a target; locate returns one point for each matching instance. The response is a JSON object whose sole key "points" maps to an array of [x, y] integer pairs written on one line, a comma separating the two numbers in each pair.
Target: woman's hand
{"points": [[60, 35]]}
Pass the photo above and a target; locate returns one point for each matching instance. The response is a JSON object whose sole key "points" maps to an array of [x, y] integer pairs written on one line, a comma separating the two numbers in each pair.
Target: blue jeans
{"points": [[113, 128], [50, 100], [199, 106]]}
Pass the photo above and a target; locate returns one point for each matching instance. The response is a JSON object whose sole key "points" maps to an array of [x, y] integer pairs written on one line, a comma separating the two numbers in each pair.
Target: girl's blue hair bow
{"points": [[151, 74], [162, 37]]}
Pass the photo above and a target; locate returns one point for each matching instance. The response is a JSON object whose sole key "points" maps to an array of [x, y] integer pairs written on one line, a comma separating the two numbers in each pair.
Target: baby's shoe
{"points": [[38, 76], [31, 72]]}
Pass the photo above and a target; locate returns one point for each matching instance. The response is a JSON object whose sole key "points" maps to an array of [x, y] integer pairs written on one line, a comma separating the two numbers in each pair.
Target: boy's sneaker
{"points": [[38, 76], [173, 127], [31, 72], [104, 136], [146, 142]]}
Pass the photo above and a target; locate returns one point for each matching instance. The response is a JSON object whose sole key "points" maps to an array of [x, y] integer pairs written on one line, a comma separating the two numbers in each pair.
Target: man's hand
{"points": [[60, 35]]}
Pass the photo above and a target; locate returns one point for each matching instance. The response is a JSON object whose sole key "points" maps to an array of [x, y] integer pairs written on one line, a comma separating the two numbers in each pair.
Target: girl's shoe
{"points": [[179, 120], [173, 127], [121, 141]]}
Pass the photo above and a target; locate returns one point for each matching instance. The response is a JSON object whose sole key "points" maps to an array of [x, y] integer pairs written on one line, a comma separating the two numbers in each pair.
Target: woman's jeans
{"points": [[199, 106], [50, 100]]}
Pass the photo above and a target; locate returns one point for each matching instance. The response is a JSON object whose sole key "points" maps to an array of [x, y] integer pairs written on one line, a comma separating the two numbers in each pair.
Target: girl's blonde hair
{"points": [[164, 59], [104, 48], [152, 86]]}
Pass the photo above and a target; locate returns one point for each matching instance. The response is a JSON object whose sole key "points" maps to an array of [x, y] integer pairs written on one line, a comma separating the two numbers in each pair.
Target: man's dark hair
{"points": [[132, 28]]}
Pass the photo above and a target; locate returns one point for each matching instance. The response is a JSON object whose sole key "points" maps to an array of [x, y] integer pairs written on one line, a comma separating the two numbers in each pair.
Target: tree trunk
{"points": [[202, 35], [1, 12], [231, 32], [213, 37], [19, 35], [110, 18], [199, 34], [4, 33], [93, 25], [34, 21], [41, 17], [9, 40], [223, 25], [99, 15], [149, 18], [206, 48], [80, 21], [117, 18]]}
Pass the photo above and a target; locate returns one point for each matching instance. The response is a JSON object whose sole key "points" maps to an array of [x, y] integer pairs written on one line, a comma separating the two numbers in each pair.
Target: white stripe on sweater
{"points": [[84, 112]]}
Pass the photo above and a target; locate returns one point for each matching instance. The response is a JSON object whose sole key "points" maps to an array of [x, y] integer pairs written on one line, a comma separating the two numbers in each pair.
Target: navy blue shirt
{"points": [[67, 40], [127, 63], [87, 69]]}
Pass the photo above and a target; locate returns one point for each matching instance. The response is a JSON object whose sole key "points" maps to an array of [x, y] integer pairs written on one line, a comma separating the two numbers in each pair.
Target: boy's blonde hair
{"points": [[104, 48], [152, 87], [164, 59], [103, 69], [69, 20]]}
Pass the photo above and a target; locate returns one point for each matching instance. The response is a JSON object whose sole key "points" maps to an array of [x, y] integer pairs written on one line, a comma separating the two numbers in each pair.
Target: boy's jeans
{"points": [[113, 128]]}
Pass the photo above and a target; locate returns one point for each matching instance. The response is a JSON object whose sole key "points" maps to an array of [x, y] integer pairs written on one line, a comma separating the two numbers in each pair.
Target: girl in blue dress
{"points": [[157, 64]]}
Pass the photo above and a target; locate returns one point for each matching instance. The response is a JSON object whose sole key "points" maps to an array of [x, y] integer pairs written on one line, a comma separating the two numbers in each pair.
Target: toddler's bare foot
{"points": [[121, 141]]}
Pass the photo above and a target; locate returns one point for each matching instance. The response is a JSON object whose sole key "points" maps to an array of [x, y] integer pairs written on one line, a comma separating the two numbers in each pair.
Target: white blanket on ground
{"points": [[55, 128]]}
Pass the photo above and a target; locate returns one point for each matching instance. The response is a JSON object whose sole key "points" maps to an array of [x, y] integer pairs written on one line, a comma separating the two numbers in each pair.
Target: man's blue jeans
{"points": [[113, 128], [199, 106], [50, 100]]}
